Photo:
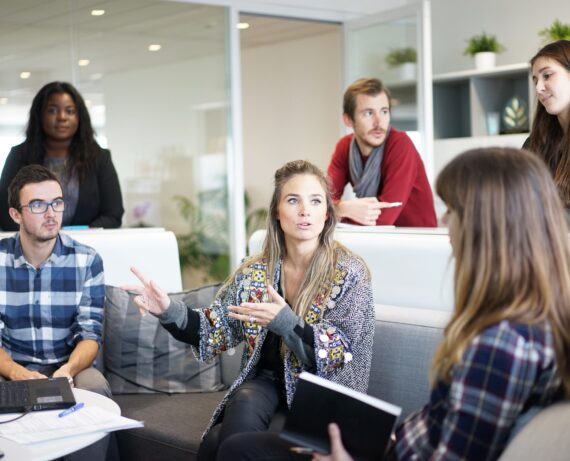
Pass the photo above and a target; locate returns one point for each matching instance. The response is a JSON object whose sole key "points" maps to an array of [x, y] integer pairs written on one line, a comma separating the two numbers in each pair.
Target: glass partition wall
{"points": [[156, 78], [395, 46]]}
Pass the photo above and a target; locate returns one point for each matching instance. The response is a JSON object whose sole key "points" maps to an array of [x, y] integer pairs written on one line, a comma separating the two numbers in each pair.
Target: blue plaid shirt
{"points": [[506, 369], [44, 313]]}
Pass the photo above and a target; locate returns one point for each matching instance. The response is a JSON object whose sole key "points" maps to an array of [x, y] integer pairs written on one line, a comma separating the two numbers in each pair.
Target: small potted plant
{"points": [[405, 59], [556, 31], [484, 48]]}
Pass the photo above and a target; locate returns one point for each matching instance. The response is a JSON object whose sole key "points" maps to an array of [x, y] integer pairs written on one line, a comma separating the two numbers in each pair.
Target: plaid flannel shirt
{"points": [[505, 370], [45, 312]]}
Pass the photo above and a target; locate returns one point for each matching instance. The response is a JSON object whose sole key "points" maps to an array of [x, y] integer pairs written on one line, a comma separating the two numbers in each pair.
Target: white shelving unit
{"points": [[404, 104], [462, 100]]}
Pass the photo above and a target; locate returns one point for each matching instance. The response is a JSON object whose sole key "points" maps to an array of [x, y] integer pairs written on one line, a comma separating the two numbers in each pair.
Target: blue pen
{"points": [[77, 406]]}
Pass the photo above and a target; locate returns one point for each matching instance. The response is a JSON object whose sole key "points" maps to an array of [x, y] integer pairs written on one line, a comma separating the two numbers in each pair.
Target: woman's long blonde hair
{"points": [[510, 243], [322, 266]]}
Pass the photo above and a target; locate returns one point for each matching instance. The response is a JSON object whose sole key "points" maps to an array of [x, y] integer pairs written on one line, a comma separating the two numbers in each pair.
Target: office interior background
{"points": [[192, 107]]}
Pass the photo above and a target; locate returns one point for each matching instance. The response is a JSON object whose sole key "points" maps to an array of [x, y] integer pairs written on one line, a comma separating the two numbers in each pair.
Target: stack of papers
{"points": [[42, 426]]}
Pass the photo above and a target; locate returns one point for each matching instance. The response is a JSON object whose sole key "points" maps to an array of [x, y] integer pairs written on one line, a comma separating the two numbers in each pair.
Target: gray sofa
{"points": [[174, 424], [402, 355], [411, 277]]}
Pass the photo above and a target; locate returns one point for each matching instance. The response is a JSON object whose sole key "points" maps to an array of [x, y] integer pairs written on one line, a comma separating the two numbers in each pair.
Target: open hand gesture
{"points": [[260, 313], [150, 297]]}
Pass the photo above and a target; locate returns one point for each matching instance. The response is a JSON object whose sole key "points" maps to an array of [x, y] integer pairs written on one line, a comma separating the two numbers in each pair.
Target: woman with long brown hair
{"points": [[303, 304], [550, 134], [506, 348]]}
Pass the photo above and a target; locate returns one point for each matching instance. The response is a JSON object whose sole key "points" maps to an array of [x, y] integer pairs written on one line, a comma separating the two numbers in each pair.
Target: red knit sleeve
{"points": [[399, 171]]}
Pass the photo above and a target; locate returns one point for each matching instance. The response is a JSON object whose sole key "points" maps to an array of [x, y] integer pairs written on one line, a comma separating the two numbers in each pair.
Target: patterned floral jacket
{"points": [[342, 319]]}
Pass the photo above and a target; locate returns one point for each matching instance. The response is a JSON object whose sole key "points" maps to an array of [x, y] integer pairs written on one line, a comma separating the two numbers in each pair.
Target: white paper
{"points": [[42, 426]]}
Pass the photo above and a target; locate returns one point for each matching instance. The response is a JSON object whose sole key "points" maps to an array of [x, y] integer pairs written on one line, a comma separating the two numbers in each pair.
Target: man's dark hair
{"points": [[29, 174], [367, 86]]}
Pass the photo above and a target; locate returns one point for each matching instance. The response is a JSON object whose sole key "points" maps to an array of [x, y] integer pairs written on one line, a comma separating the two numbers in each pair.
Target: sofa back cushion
{"points": [[401, 361], [140, 356]]}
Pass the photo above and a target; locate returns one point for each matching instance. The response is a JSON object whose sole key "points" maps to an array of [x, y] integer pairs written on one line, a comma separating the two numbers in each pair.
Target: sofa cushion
{"points": [[142, 357], [173, 425], [400, 363]]}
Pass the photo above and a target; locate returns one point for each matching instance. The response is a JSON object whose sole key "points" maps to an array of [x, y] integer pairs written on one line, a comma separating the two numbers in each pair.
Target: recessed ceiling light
{"points": [[88, 102], [97, 12], [96, 76], [154, 47], [83, 62], [25, 75], [242, 25], [3, 100]]}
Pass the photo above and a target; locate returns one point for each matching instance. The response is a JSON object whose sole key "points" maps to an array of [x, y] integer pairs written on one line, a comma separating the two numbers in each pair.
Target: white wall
{"points": [[292, 105], [516, 24]]}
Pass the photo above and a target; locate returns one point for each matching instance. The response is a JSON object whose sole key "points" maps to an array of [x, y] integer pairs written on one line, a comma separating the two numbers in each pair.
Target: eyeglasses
{"points": [[39, 206]]}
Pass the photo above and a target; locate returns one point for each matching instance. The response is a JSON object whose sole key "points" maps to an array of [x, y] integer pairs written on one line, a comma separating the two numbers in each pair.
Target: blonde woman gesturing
{"points": [[303, 304]]}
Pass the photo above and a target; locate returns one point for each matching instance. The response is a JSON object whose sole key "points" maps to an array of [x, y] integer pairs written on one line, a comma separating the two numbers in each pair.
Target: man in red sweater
{"points": [[380, 162]]}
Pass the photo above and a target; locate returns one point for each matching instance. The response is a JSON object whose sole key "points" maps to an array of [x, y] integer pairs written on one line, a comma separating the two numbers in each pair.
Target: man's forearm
{"points": [[82, 356], [8, 368]]}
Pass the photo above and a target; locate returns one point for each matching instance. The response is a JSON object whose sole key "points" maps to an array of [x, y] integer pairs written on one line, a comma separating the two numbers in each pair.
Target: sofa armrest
{"points": [[544, 437]]}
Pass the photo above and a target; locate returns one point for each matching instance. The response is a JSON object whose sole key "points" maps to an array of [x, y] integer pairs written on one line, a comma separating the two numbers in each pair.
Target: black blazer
{"points": [[100, 203]]}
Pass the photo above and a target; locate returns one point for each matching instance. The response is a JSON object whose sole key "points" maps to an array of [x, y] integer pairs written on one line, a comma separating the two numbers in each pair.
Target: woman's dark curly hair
{"points": [[83, 147]]}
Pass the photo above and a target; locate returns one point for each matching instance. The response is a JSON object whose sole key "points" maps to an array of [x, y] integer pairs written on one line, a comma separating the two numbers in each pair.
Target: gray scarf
{"points": [[366, 179]]}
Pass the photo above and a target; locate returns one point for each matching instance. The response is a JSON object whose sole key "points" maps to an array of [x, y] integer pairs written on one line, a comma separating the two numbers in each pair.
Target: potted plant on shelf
{"points": [[484, 48], [405, 59], [556, 31]]}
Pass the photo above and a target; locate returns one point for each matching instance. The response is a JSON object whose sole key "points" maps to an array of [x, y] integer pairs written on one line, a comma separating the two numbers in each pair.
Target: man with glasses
{"points": [[51, 290]]}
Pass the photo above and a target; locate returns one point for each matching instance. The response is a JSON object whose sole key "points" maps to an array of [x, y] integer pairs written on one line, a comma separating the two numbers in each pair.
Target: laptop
{"points": [[35, 395]]}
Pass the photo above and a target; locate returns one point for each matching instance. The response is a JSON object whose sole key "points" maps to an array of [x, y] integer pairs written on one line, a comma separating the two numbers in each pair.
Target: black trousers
{"points": [[255, 446], [251, 409]]}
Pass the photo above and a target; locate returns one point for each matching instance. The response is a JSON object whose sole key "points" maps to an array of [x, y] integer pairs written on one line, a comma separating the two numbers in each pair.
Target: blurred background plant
{"points": [[140, 210], [399, 56], [205, 247], [556, 31], [483, 43]]}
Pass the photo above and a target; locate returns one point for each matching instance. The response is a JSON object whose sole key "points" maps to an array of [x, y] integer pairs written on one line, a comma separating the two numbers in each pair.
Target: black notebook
{"points": [[35, 395], [365, 422]]}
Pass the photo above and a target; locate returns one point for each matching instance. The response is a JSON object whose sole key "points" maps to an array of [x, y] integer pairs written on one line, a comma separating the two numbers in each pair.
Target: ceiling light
{"points": [[88, 102], [154, 47], [96, 76], [3, 100], [25, 75], [242, 25], [83, 62], [97, 12]]}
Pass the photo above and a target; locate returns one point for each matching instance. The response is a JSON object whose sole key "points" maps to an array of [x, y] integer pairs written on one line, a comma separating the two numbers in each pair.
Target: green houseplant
{"points": [[483, 48], [483, 44], [399, 56], [405, 60], [205, 246], [556, 31]]}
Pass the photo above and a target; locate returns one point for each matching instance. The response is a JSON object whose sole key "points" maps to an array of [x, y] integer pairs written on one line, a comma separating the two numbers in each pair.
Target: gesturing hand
{"points": [[150, 297], [260, 313]]}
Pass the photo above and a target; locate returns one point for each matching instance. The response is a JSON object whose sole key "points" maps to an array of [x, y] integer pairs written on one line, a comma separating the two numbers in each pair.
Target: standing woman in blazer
{"points": [[550, 135], [60, 136]]}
